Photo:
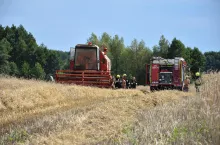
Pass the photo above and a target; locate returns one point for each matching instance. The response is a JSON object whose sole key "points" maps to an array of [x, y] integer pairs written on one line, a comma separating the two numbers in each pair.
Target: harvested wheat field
{"points": [[37, 112]]}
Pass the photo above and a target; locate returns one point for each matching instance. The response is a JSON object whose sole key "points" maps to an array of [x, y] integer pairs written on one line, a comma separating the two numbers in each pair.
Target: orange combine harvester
{"points": [[89, 66]]}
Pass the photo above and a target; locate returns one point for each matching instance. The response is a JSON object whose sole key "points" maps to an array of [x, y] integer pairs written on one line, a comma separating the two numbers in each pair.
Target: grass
{"points": [[37, 112], [195, 120], [16, 136]]}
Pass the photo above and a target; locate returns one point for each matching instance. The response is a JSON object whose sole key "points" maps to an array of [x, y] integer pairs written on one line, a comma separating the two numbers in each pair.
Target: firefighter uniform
{"points": [[127, 83], [133, 83], [198, 82], [117, 82]]}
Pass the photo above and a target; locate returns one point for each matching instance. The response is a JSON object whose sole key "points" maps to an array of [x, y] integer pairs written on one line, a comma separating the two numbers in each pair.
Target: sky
{"points": [[61, 24]]}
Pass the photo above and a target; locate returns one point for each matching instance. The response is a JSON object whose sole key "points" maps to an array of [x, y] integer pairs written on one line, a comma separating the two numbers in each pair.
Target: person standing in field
{"points": [[113, 80], [198, 82], [124, 81], [186, 84], [133, 83], [117, 82]]}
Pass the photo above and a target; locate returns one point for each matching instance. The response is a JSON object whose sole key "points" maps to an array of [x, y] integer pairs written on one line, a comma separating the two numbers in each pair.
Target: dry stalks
{"points": [[196, 120], [36, 112]]}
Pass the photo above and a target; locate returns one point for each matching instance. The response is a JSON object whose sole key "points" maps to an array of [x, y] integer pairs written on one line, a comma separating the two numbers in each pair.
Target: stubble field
{"points": [[37, 112]]}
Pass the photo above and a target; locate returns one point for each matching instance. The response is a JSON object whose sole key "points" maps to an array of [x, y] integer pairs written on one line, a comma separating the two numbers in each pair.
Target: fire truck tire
{"points": [[153, 88]]}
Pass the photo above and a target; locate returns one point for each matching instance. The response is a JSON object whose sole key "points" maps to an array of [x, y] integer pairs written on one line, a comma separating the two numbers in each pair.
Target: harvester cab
{"points": [[89, 66]]}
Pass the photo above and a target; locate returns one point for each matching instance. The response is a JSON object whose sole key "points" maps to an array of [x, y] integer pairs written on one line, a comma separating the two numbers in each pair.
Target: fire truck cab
{"points": [[166, 73]]}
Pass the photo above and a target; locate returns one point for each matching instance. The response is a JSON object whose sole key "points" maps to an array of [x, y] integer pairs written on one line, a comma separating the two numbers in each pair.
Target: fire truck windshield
{"points": [[85, 59]]}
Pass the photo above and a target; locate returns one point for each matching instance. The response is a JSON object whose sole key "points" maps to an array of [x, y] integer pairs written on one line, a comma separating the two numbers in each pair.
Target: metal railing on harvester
{"points": [[86, 78]]}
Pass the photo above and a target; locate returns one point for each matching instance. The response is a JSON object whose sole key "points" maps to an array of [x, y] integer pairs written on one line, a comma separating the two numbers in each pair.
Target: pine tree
{"points": [[197, 61], [26, 71], [163, 47], [14, 69], [176, 49], [5, 48], [38, 71]]}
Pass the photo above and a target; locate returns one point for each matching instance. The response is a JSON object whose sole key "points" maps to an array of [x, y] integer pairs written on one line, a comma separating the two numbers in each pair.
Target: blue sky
{"points": [[63, 24]]}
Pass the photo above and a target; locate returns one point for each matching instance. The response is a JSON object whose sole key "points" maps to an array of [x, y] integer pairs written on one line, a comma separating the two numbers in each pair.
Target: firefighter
{"points": [[133, 83], [123, 81], [117, 82], [186, 84], [113, 82], [198, 82], [126, 81]]}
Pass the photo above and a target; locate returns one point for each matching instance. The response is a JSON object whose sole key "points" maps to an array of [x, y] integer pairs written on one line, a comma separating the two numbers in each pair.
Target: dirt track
{"points": [[56, 114]]}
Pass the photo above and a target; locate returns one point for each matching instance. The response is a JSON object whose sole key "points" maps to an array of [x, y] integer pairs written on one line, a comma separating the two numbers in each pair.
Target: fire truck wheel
{"points": [[152, 88]]}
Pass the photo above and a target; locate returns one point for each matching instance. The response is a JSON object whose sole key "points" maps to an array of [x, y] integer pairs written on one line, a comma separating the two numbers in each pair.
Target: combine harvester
{"points": [[166, 73], [89, 66]]}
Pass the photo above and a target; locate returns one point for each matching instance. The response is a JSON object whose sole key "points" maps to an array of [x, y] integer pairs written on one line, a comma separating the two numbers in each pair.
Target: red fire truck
{"points": [[166, 73]]}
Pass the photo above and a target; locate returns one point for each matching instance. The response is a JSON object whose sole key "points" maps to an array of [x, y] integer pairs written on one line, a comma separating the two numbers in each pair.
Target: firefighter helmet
{"points": [[197, 74], [118, 76], [124, 75]]}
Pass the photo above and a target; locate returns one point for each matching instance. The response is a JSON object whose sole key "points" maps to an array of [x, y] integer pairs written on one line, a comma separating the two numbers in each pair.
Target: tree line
{"points": [[132, 59], [21, 56]]}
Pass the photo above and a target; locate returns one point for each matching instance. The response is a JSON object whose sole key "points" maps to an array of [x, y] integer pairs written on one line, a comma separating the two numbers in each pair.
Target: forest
{"points": [[21, 56]]}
